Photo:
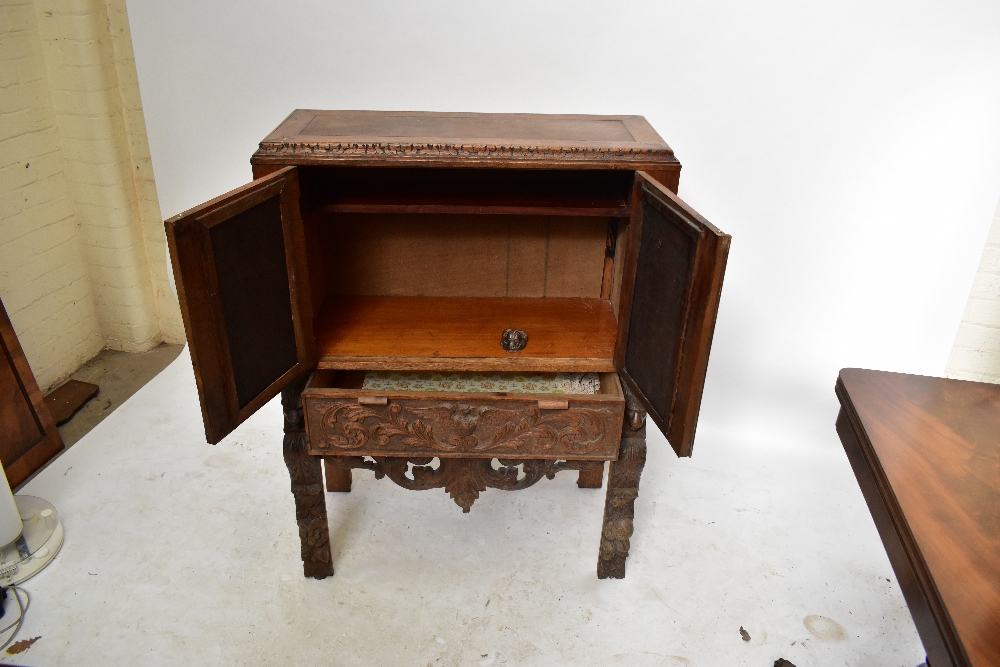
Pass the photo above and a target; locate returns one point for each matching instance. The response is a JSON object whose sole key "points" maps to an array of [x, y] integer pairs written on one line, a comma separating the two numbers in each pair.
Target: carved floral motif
{"points": [[460, 428]]}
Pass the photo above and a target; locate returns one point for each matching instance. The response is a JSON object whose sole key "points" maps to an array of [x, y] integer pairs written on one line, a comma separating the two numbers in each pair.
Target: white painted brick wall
{"points": [[82, 251], [44, 281], [141, 173], [83, 80], [976, 353]]}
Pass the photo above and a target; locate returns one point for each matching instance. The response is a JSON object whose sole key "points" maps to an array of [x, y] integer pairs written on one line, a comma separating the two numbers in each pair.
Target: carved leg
{"points": [[591, 479], [307, 487], [337, 479], [623, 489]]}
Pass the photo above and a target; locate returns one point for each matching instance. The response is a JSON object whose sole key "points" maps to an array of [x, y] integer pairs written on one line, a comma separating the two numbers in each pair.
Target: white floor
{"points": [[178, 552]]}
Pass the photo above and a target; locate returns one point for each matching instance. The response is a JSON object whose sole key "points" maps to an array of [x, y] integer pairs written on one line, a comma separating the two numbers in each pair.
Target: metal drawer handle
{"points": [[553, 404], [513, 340], [373, 400]]}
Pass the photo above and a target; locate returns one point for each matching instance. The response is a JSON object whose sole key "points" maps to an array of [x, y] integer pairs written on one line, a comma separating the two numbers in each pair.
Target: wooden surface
{"points": [[306, 475], [28, 435], [367, 422], [68, 398], [672, 284], [926, 452], [425, 269], [623, 489], [462, 255], [413, 333], [385, 138], [462, 478], [240, 267], [468, 191]]}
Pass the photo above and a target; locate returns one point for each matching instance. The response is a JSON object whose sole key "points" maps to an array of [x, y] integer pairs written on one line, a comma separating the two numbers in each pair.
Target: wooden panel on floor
{"points": [[64, 401]]}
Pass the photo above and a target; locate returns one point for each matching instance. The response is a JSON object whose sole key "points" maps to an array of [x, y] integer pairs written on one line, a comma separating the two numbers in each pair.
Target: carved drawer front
{"points": [[358, 422]]}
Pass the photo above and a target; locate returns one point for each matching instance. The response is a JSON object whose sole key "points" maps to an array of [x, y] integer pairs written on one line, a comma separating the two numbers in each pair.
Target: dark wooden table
{"points": [[926, 452]]}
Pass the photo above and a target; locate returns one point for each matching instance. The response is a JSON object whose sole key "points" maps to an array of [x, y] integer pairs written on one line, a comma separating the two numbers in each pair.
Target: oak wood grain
{"points": [[412, 333], [236, 258], [392, 138], [461, 255], [366, 422], [423, 236], [926, 452], [671, 287]]}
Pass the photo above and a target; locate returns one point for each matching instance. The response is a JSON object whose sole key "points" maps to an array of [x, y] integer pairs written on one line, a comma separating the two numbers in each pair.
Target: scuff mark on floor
{"points": [[21, 646]]}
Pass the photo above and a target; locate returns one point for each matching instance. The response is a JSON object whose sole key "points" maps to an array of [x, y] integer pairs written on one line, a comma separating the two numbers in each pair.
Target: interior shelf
{"points": [[597, 209], [468, 191], [453, 333]]}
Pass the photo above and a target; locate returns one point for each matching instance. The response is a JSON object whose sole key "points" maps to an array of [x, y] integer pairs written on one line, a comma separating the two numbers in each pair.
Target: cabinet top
{"points": [[466, 139]]}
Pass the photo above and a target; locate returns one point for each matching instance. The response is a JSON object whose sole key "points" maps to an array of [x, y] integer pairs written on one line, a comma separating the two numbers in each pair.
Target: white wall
{"points": [[82, 263], [851, 149], [976, 355], [44, 278]]}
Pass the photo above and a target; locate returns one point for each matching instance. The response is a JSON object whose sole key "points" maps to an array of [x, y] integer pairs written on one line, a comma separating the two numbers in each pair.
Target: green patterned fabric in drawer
{"points": [[514, 383]]}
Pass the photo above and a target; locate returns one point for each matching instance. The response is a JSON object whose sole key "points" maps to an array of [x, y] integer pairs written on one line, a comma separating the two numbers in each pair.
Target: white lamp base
{"points": [[37, 544]]}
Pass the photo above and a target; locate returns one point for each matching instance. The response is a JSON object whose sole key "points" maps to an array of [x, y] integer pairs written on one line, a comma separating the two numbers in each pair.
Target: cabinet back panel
{"points": [[372, 254], [372, 190]]}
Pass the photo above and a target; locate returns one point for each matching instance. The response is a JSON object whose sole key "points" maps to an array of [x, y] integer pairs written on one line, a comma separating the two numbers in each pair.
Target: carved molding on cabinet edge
{"points": [[351, 149], [350, 426], [463, 479]]}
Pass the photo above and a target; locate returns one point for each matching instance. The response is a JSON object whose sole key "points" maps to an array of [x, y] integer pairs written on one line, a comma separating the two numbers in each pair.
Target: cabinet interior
{"points": [[425, 268]]}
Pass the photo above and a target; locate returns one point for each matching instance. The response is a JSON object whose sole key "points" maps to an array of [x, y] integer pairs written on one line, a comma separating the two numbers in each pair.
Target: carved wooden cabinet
{"points": [[374, 243]]}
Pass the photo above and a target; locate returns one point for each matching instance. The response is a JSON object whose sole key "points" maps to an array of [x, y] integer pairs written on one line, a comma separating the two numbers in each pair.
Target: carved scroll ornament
{"points": [[444, 427], [463, 479]]}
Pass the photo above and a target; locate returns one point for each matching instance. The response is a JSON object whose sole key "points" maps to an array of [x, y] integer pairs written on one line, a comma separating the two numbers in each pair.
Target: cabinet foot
{"points": [[337, 479], [591, 479]]}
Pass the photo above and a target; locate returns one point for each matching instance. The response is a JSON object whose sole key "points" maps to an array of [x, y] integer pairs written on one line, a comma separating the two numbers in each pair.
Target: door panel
{"points": [[668, 308], [239, 263], [28, 435]]}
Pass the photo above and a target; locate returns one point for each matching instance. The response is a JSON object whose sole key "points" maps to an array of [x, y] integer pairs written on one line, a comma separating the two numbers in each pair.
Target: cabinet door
{"points": [[240, 268], [28, 435], [670, 296]]}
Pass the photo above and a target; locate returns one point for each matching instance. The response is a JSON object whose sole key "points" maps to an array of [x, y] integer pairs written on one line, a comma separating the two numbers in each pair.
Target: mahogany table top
{"points": [[926, 452]]}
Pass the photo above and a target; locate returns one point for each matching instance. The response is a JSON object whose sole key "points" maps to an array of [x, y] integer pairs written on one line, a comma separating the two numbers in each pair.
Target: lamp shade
{"points": [[10, 517]]}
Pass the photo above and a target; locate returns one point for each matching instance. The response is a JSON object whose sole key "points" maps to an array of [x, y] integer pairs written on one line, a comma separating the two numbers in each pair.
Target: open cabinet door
{"points": [[667, 313], [239, 264]]}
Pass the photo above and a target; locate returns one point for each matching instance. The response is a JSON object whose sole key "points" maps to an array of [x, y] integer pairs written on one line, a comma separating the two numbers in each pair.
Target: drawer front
{"points": [[462, 425]]}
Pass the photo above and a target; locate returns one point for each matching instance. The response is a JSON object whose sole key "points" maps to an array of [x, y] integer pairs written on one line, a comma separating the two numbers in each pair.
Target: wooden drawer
{"points": [[343, 419]]}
